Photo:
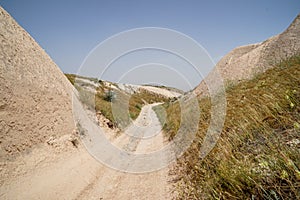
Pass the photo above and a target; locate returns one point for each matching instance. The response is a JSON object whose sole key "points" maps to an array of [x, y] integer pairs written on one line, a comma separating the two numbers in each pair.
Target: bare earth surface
{"points": [[77, 175], [112, 184]]}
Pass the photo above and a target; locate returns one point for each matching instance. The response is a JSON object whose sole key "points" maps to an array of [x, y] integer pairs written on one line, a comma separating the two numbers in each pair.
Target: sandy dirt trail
{"points": [[112, 184], [77, 175]]}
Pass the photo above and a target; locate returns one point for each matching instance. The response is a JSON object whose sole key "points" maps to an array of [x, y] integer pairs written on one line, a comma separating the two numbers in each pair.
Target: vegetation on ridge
{"points": [[258, 153], [106, 96]]}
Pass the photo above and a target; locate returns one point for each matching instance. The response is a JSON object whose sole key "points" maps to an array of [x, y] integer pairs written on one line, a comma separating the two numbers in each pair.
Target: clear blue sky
{"points": [[69, 29]]}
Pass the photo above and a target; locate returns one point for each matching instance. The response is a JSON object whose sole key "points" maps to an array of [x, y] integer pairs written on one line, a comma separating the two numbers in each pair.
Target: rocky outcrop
{"points": [[35, 96], [246, 61]]}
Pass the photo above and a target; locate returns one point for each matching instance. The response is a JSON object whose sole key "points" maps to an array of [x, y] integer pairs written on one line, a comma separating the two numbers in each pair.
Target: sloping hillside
{"points": [[258, 153], [246, 61], [35, 101], [101, 94]]}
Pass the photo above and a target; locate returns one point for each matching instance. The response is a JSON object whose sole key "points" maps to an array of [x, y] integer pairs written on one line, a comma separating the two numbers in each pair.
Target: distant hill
{"points": [[172, 89], [99, 94], [246, 61], [93, 83]]}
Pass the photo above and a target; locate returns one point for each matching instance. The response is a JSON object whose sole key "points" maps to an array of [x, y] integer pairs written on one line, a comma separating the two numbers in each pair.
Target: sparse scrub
{"points": [[86, 97], [141, 98], [113, 103], [160, 113], [258, 153], [71, 78], [109, 95]]}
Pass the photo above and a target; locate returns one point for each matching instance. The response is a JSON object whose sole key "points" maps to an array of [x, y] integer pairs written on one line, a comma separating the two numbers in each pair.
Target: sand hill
{"points": [[35, 101], [246, 61]]}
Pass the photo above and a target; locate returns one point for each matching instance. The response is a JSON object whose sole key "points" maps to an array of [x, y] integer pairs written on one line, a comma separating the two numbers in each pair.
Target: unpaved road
{"points": [[77, 175]]}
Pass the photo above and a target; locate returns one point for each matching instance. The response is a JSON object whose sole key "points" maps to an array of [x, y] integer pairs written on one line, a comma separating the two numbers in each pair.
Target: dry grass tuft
{"points": [[258, 154]]}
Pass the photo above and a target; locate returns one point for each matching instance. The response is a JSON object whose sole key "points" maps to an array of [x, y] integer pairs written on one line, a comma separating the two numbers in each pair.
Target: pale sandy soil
{"points": [[161, 91], [75, 174]]}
